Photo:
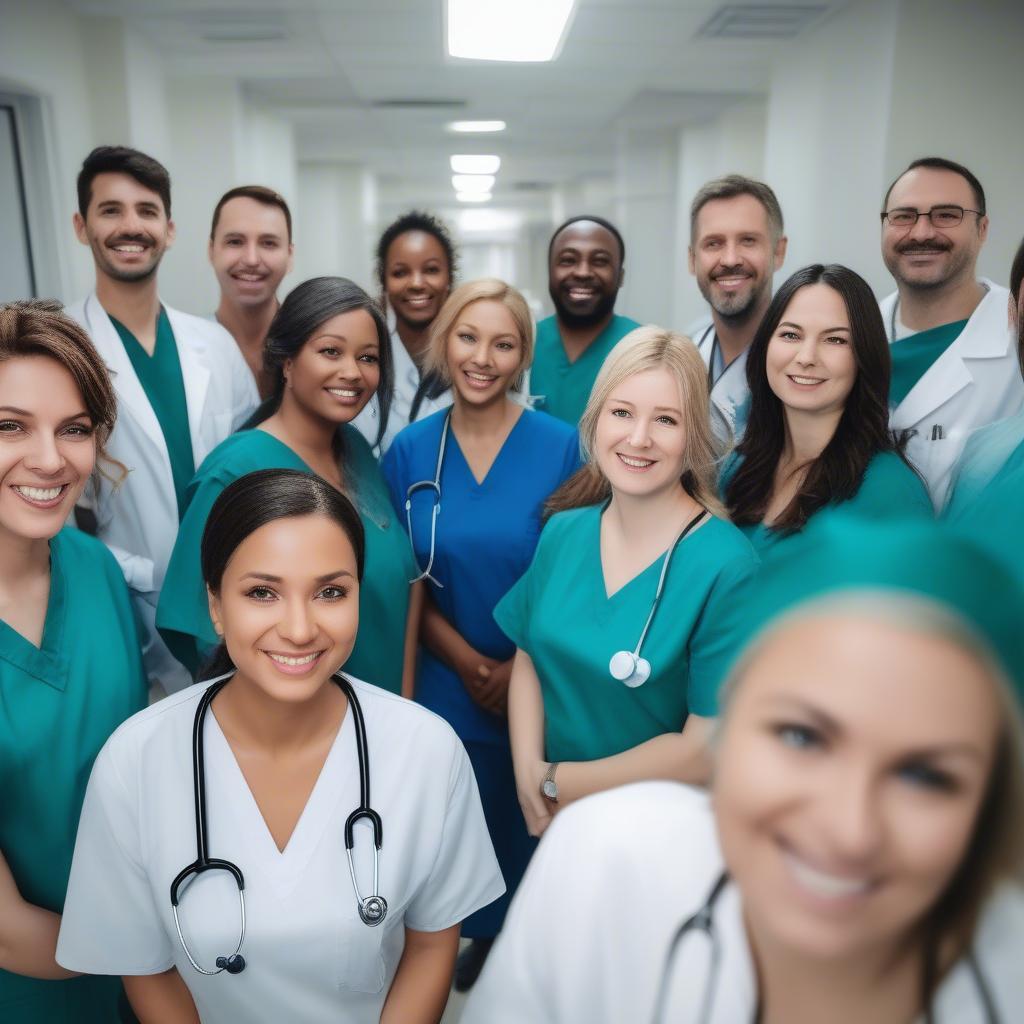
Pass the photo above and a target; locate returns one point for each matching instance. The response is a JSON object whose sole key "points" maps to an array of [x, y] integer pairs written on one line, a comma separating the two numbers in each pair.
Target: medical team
{"points": [[677, 609]]}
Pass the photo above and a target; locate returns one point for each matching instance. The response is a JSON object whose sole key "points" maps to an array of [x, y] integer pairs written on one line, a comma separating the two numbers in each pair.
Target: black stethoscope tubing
{"points": [[704, 921]]}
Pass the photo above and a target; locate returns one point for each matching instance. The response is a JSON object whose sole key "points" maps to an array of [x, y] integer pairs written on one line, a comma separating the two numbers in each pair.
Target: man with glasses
{"points": [[953, 356]]}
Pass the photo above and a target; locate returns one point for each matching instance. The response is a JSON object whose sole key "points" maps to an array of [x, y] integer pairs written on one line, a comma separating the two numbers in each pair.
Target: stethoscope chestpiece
{"points": [[233, 964], [629, 668], [373, 910]]}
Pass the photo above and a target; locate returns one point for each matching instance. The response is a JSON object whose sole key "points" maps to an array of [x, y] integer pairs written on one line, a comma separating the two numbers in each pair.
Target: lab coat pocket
{"points": [[360, 957]]}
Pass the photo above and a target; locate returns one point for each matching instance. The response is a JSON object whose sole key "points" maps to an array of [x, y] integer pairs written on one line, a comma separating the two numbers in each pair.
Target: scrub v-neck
{"points": [[481, 484]]}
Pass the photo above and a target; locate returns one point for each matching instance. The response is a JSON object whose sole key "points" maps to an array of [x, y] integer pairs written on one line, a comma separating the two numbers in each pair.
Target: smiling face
{"points": [[126, 227], [584, 273], [810, 362], [250, 252], [640, 442], [417, 278], [338, 369], [47, 446], [288, 606], [923, 256], [845, 809], [484, 352], [733, 256]]}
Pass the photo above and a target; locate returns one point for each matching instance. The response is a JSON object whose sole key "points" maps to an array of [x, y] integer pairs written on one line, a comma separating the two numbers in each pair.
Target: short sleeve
{"points": [[110, 924], [465, 874], [183, 613], [718, 634]]}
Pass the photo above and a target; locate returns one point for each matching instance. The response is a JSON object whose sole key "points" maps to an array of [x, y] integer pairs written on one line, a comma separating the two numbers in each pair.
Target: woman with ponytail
{"points": [[328, 354], [638, 569]]}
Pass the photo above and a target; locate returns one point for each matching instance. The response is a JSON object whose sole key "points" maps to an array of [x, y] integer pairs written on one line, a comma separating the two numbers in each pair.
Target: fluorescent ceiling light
{"points": [[476, 126], [519, 30], [475, 164], [473, 197], [473, 182]]}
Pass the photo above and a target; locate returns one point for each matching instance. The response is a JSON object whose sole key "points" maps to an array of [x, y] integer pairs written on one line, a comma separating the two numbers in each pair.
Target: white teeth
{"points": [[637, 463], [282, 659], [822, 884], [40, 493], [805, 380], [480, 377], [344, 392], [581, 293], [128, 248]]}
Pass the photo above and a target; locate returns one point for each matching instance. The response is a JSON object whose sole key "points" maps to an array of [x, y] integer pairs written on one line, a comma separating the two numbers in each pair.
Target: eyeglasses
{"points": [[940, 216]]}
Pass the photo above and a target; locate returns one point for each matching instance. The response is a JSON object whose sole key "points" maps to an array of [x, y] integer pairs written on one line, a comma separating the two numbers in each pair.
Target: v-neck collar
{"points": [[599, 562], [481, 484], [336, 787], [48, 662]]}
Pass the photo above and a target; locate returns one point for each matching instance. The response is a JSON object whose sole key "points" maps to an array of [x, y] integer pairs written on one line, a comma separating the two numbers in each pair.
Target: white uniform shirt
{"points": [[138, 517], [407, 380], [730, 396], [615, 876], [976, 381], [308, 956]]}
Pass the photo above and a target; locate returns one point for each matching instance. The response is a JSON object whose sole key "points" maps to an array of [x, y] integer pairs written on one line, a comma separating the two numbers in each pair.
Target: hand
{"points": [[537, 811], [491, 693]]}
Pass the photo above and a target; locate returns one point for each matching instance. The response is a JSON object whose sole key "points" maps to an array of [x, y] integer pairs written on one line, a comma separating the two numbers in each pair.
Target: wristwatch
{"points": [[548, 786]]}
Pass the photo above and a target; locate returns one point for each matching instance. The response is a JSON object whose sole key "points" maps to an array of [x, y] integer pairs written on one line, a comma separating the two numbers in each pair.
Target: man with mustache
{"points": [[250, 251], [182, 385], [736, 245], [954, 360], [585, 272]]}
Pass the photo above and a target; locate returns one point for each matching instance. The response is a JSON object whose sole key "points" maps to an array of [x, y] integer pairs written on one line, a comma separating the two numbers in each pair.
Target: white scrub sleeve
{"points": [[465, 875], [110, 924]]}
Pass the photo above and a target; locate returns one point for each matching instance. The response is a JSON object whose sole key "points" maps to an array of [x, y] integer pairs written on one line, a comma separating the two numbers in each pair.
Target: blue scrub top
{"points": [[486, 536], [890, 490]]}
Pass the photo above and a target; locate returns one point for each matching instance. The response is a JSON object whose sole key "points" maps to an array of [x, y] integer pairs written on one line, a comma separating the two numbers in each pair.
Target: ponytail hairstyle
{"points": [[863, 431], [643, 349], [255, 500], [306, 309]]}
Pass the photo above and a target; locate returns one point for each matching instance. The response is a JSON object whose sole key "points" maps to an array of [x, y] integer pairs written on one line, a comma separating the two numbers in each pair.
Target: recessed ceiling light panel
{"points": [[472, 182], [476, 126], [475, 164], [509, 30]]}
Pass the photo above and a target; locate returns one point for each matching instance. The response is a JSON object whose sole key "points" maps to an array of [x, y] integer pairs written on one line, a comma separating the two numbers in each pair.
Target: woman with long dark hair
{"points": [[328, 354], [342, 826], [818, 431], [70, 661]]}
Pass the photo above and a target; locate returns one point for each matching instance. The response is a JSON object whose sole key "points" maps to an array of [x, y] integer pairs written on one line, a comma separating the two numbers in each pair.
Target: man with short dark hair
{"points": [[736, 245], [585, 271], [954, 361], [251, 251], [181, 383]]}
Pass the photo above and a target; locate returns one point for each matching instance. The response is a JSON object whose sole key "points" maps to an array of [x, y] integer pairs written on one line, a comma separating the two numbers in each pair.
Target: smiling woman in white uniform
{"points": [[283, 769], [861, 854]]}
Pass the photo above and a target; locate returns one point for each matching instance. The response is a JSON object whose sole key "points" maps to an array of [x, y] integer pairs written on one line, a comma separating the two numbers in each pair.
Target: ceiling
{"points": [[329, 65]]}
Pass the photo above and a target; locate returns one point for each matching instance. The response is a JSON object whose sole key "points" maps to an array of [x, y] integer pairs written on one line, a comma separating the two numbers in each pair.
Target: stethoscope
{"points": [[704, 921], [372, 909], [628, 666], [712, 381], [434, 486]]}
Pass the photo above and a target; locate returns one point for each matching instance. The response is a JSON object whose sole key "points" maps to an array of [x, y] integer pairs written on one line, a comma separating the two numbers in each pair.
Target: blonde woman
{"points": [[631, 605], [473, 533], [861, 854]]}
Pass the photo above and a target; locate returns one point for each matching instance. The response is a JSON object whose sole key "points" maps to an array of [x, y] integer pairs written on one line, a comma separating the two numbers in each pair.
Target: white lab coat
{"points": [[309, 957], [138, 518], [730, 396], [616, 874], [974, 382], [407, 381]]}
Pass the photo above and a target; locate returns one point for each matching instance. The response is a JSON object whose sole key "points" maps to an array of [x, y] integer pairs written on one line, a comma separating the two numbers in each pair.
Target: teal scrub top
{"points": [[183, 616], [161, 380], [890, 490], [58, 704], [562, 388], [559, 614], [987, 501], [912, 357]]}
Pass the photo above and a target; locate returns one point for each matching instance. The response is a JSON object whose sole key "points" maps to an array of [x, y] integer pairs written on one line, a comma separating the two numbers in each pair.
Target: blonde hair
{"points": [[643, 349], [488, 289]]}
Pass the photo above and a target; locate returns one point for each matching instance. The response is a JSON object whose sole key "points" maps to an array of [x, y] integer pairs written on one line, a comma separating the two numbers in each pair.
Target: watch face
{"points": [[549, 789]]}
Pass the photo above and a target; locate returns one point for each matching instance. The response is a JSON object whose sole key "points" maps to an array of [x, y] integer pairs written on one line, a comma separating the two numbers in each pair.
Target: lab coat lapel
{"points": [[130, 393], [196, 377], [730, 390], [984, 337]]}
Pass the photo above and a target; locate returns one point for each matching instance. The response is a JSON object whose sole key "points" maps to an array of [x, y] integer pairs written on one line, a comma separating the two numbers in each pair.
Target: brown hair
{"points": [[486, 289], [262, 194], [649, 348], [729, 187], [38, 327]]}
